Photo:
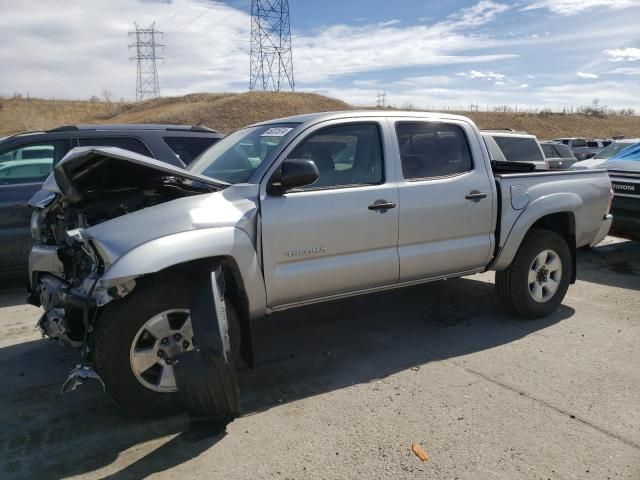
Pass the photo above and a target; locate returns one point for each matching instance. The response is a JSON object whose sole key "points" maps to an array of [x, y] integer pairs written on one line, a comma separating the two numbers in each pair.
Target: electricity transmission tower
{"points": [[382, 100], [147, 85], [271, 64]]}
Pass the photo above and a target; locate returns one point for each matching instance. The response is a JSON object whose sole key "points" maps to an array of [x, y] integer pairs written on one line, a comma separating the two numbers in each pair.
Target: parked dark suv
{"points": [[26, 159]]}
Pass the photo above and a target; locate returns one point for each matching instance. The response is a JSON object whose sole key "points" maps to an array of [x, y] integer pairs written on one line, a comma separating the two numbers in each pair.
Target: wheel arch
{"points": [[230, 246], [543, 214]]}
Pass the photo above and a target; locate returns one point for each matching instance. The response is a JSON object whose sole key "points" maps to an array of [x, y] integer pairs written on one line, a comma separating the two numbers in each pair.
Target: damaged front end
{"points": [[88, 187], [109, 223]]}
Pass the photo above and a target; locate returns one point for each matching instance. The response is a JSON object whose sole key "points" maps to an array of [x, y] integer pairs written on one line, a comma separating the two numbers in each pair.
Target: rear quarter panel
{"points": [[526, 198]]}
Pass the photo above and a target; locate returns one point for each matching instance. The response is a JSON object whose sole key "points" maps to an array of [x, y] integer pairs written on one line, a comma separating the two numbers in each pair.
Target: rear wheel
{"points": [[537, 280], [136, 339]]}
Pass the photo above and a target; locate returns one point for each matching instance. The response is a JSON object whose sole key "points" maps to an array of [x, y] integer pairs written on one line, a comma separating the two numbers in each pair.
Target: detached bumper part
{"points": [[206, 377], [603, 231]]}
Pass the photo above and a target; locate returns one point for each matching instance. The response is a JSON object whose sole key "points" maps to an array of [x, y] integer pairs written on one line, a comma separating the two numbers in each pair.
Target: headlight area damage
{"points": [[94, 185], [90, 186]]}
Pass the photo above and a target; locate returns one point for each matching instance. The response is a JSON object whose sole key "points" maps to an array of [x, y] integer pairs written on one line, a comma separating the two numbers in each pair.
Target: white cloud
{"points": [[484, 75], [499, 84], [524, 85], [586, 75], [572, 7], [478, 14], [78, 50], [623, 54], [624, 71], [615, 94], [423, 81], [389, 22]]}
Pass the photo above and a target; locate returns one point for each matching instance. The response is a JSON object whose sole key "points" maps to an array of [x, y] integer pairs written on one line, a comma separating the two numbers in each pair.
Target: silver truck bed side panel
{"points": [[526, 198]]}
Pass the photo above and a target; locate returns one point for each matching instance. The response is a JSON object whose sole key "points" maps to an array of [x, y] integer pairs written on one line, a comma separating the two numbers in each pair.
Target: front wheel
{"points": [[136, 339], [537, 280]]}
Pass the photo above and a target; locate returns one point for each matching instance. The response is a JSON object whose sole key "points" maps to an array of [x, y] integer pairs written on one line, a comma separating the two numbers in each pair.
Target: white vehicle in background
{"points": [[512, 146], [609, 151]]}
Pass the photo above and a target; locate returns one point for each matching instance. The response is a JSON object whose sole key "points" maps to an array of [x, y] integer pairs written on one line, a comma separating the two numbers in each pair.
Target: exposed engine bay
{"points": [[91, 188]]}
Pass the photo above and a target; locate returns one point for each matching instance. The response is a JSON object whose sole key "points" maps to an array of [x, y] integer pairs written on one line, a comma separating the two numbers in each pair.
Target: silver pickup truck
{"points": [[156, 273]]}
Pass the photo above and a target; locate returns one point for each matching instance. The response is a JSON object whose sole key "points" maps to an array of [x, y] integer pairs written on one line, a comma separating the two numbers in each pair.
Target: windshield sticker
{"points": [[276, 132]]}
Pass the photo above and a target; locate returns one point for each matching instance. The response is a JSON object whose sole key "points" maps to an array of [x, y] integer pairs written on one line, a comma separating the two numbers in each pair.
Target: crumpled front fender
{"points": [[179, 248]]}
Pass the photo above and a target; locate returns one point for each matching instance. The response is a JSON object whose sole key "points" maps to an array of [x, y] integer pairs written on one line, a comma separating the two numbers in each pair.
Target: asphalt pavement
{"points": [[345, 388]]}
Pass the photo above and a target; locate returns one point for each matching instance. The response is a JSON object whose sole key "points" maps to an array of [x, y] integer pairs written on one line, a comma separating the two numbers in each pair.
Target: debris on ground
{"points": [[419, 451]]}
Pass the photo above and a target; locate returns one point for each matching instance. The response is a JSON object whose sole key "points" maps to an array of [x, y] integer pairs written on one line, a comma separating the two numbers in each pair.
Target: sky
{"points": [[424, 54]]}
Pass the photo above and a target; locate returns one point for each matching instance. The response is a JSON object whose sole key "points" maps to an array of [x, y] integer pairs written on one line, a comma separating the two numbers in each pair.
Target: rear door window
{"points": [[519, 149], [549, 151], [189, 148], [430, 149], [127, 143], [563, 151]]}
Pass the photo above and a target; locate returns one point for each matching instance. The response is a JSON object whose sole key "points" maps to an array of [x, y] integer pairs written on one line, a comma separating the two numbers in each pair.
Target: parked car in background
{"points": [[624, 171], [27, 159], [582, 148], [322, 206], [511, 146], [558, 155], [610, 150]]}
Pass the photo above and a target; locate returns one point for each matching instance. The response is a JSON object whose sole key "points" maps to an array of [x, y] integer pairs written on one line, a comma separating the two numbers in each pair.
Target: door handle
{"points": [[381, 205], [475, 195]]}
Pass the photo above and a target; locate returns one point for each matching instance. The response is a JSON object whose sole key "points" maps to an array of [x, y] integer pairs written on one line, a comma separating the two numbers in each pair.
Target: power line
{"points": [[271, 60], [147, 85], [381, 101]]}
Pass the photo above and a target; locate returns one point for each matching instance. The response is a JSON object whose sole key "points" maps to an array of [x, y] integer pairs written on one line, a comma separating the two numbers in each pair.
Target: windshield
{"points": [[612, 149], [234, 158]]}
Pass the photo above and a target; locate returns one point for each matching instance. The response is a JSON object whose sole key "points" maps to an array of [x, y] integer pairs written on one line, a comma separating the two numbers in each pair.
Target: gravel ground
{"points": [[344, 389]]}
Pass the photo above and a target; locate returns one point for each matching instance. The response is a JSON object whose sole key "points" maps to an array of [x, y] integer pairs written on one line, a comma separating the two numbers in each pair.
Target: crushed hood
{"points": [[91, 169]]}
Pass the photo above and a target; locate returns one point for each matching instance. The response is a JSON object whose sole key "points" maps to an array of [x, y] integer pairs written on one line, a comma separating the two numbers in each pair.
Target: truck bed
{"points": [[541, 193]]}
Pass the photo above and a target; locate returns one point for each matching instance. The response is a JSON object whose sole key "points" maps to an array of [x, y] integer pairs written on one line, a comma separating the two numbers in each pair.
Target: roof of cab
{"points": [[324, 116]]}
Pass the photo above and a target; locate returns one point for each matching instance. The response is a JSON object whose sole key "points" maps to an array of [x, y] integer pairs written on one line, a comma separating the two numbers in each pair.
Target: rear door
{"points": [[446, 211], [332, 237], [23, 168]]}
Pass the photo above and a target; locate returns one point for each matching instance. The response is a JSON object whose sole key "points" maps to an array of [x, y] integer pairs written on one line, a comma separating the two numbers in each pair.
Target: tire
{"points": [[544, 295], [119, 325]]}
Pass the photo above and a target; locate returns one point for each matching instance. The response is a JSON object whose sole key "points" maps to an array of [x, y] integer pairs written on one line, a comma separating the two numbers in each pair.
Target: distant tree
{"points": [[94, 98], [107, 95]]}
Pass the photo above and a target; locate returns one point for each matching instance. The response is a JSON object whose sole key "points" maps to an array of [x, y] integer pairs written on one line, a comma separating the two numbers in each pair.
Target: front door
{"points": [[332, 237], [446, 209]]}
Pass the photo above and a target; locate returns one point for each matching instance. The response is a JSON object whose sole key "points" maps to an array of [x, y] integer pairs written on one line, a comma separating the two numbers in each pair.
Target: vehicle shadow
{"points": [[13, 288], [301, 353], [613, 264]]}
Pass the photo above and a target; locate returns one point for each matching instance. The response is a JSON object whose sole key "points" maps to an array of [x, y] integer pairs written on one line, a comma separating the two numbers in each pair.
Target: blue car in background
{"points": [[624, 170]]}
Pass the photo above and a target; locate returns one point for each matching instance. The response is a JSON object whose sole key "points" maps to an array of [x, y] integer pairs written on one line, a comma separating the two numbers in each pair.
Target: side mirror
{"points": [[294, 172]]}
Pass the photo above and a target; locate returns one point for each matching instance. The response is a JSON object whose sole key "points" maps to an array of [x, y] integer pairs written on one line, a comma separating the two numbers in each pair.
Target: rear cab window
{"points": [[127, 143], [189, 148], [432, 149]]}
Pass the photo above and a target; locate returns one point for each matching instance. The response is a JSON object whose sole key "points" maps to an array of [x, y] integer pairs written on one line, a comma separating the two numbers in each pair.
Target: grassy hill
{"points": [[226, 112]]}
